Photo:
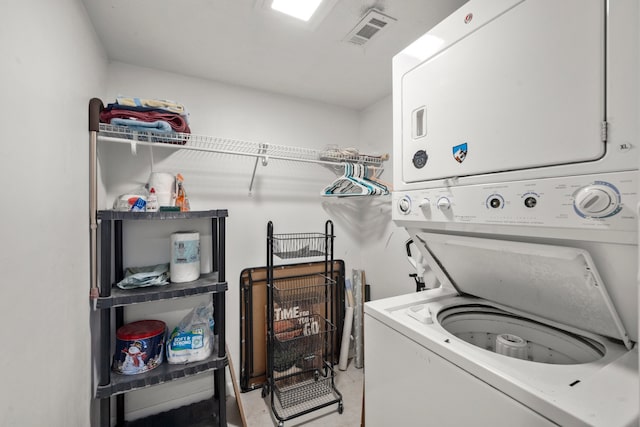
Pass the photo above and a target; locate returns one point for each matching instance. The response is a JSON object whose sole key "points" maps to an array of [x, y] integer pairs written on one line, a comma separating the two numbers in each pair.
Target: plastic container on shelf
{"points": [[139, 347], [152, 201]]}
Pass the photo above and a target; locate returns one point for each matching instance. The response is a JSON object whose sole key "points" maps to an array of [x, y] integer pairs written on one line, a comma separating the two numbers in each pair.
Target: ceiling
{"points": [[241, 42]]}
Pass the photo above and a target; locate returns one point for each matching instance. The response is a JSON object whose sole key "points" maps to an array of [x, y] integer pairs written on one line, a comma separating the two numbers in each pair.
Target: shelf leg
{"points": [[118, 263], [105, 321], [119, 397], [219, 310], [221, 249], [105, 366], [220, 396]]}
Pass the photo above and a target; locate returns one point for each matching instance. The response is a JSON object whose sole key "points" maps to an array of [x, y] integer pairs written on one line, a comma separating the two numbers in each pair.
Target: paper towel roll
{"points": [[205, 254], [185, 256], [162, 182], [164, 198]]}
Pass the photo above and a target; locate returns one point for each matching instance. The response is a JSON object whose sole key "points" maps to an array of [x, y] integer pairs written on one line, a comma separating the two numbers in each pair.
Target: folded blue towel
{"points": [[158, 126]]}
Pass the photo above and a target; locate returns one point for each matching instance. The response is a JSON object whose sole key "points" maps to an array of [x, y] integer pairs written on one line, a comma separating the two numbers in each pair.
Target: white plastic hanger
{"points": [[346, 185], [355, 181]]}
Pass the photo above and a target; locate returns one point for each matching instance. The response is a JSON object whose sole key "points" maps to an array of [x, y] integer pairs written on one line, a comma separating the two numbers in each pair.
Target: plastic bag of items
{"points": [[141, 277], [133, 201], [192, 339]]}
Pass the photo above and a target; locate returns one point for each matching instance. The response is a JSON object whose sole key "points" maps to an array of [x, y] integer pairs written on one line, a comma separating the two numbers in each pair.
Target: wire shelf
{"points": [[300, 245], [304, 290], [195, 142], [304, 390], [299, 337], [298, 344]]}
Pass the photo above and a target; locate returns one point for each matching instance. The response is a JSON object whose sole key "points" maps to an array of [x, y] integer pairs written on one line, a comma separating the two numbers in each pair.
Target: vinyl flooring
{"points": [[258, 412]]}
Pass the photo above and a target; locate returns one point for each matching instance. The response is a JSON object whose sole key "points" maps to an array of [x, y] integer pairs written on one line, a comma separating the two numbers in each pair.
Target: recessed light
{"points": [[301, 9]]}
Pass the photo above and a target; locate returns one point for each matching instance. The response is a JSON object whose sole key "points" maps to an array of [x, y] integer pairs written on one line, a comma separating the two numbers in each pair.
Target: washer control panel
{"points": [[606, 201]]}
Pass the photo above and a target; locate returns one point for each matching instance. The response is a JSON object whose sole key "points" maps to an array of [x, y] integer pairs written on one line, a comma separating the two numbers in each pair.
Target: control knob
{"points": [[404, 205], [597, 200], [443, 204]]}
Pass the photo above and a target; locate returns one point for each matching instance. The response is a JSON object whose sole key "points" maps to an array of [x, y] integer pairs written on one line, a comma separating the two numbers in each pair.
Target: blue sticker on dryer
{"points": [[460, 152]]}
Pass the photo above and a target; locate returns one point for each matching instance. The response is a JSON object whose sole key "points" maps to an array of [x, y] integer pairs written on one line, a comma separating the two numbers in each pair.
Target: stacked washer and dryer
{"points": [[516, 176]]}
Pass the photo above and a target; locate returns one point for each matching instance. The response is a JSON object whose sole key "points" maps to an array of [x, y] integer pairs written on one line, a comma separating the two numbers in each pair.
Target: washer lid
{"points": [[557, 283]]}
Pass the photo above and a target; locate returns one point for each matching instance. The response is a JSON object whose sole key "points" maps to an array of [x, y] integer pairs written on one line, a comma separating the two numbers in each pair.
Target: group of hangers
{"points": [[357, 180]]}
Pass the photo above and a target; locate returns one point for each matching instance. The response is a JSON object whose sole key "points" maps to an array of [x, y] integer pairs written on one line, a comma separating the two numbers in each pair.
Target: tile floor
{"points": [[258, 413]]}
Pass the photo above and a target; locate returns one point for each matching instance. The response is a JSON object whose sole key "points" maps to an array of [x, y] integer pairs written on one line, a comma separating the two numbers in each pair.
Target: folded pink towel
{"points": [[176, 121]]}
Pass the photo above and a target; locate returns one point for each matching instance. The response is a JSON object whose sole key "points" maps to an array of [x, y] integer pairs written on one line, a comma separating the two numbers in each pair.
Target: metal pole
{"points": [[95, 106]]}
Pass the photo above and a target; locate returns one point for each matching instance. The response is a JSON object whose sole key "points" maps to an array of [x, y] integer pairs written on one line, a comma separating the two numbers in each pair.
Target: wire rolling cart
{"points": [[301, 328]]}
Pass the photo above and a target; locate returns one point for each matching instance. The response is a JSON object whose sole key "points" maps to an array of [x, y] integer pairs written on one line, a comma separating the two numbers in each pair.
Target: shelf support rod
{"points": [[95, 107], [265, 160]]}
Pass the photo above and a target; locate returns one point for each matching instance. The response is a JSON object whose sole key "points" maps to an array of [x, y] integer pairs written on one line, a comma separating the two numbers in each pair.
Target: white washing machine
{"points": [[516, 175]]}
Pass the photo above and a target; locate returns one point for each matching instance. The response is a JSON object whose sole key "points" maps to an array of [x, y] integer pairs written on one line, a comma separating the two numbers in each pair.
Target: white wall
{"points": [[382, 242], [48, 78], [288, 193], [51, 64]]}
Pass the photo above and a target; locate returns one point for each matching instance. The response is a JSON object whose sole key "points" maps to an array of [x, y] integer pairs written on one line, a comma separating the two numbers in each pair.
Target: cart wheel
{"points": [[316, 375], [265, 390], [340, 407], [281, 424]]}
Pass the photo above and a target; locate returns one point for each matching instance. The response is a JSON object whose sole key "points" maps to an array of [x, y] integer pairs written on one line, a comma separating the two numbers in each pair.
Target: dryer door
{"points": [[510, 89]]}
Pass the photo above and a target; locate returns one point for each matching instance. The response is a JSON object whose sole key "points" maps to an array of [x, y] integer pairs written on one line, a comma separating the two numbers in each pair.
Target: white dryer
{"points": [[516, 175]]}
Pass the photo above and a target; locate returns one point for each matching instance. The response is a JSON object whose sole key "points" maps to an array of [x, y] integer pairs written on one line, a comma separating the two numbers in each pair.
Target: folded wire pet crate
{"points": [[301, 327]]}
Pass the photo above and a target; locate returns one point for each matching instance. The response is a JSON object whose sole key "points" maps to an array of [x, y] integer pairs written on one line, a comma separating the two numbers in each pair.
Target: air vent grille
{"points": [[370, 25], [367, 31], [377, 22]]}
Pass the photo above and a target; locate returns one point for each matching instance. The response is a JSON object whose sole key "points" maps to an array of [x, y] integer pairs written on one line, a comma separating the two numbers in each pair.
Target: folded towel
{"points": [[176, 121], [110, 107], [159, 126], [163, 104]]}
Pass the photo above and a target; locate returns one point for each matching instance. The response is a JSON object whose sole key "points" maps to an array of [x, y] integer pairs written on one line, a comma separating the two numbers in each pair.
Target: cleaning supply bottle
{"points": [[181, 195], [152, 201]]}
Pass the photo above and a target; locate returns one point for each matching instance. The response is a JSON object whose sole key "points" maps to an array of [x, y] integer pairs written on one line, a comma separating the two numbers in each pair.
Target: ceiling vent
{"points": [[371, 24]]}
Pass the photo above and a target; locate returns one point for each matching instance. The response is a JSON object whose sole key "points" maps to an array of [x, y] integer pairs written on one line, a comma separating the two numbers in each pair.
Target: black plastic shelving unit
{"points": [[113, 300], [205, 284]]}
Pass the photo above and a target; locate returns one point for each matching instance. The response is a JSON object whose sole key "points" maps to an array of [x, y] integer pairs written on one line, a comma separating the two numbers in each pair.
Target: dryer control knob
{"points": [[404, 205], [596, 201], [425, 207], [444, 204]]}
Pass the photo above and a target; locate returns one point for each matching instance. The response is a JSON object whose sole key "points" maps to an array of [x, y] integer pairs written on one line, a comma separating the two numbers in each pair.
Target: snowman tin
{"points": [[139, 346]]}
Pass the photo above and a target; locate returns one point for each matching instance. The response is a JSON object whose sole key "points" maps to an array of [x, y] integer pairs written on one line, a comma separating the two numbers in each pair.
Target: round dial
{"points": [[597, 200], [495, 201], [444, 204], [404, 205], [530, 202]]}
